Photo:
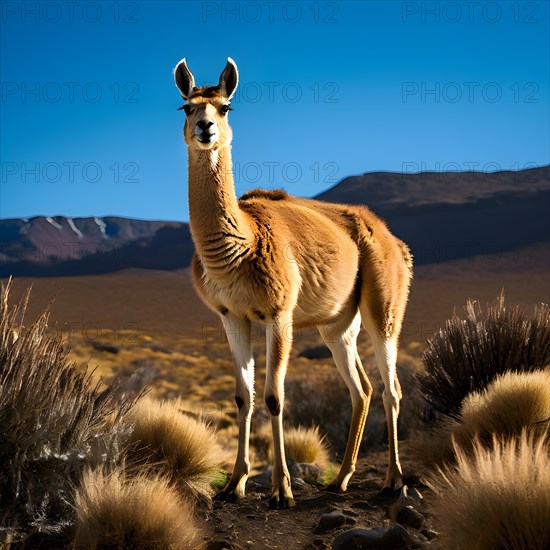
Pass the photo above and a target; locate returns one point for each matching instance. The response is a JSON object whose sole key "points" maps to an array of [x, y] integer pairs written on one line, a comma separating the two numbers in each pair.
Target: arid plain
{"points": [[120, 321], [152, 325]]}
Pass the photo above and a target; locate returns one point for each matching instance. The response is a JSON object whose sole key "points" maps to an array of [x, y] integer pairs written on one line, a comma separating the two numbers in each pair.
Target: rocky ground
{"points": [[358, 519], [151, 325]]}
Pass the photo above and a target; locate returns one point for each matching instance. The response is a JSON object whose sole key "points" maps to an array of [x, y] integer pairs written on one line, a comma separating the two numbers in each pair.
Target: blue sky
{"points": [[89, 124]]}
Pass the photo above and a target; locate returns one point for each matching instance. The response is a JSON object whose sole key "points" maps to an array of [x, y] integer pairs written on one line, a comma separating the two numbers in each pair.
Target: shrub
{"points": [[141, 512], [498, 499], [54, 421], [176, 444], [306, 445], [324, 400], [512, 404], [469, 353], [321, 400]]}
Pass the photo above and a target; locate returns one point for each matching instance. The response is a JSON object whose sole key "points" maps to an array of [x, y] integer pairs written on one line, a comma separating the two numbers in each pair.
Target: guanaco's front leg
{"points": [[279, 342], [238, 334]]}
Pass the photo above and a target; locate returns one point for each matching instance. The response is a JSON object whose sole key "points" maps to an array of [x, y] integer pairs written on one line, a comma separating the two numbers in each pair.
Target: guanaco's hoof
{"points": [[226, 496], [281, 503]]}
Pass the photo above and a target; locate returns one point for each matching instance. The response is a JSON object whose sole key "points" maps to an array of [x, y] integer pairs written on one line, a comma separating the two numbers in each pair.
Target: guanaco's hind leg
{"points": [[385, 350], [342, 342], [386, 277], [383, 327]]}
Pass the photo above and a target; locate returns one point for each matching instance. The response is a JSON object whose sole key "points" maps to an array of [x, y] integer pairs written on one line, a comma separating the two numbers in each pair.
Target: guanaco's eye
{"points": [[224, 109], [185, 108]]}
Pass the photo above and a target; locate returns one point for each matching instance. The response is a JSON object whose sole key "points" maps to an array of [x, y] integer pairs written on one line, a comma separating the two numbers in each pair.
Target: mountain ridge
{"points": [[441, 215]]}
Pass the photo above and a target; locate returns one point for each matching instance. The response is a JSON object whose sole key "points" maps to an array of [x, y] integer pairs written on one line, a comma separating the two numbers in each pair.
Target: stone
{"points": [[429, 534], [330, 521], [263, 479], [295, 470], [159, 348], [109, 348], [406, 515], [394, 537], [310, 473]]}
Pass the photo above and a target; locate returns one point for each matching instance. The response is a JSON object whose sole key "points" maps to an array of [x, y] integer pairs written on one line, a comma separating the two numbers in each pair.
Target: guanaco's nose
{"points": [[205, 124]]}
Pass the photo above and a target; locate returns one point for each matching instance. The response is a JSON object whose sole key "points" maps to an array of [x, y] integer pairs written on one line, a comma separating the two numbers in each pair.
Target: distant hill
{"points": [[450, 215], [76, 246], [386, 191], [441, 215]]}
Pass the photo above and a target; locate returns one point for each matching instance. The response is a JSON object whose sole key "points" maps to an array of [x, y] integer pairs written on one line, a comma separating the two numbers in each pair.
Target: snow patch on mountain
{"points": [[74, 228], [53, 222], [102, 227]]}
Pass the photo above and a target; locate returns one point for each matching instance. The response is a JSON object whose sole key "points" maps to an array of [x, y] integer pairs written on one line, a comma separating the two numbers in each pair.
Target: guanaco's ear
{"points": [[229, 79], [184, 78]]}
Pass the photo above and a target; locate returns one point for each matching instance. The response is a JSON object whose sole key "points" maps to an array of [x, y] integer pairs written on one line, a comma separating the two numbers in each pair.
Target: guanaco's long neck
{"points": [[221, 231]]}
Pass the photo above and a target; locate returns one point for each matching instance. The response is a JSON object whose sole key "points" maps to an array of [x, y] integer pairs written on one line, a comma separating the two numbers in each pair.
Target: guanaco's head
{"points": [[206, 125]]}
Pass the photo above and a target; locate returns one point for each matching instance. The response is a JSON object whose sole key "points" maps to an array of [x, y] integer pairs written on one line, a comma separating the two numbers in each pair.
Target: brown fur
{"points": [[207, 92], [273, 195], [290, 262], [375, 258]]}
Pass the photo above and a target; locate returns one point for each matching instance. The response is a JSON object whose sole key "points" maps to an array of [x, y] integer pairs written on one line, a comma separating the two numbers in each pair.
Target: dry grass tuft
{"points": [[54, 421], [512, 404], [115, 511], [321, 400], [499, 498], [175, 444], [306, 445], [468, 354]]}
